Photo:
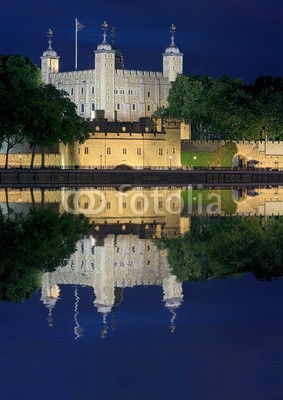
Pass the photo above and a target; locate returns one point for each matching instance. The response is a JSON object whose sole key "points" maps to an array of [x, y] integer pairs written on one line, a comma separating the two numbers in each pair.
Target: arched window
{"points": [[134, 107], [118, 106], [82, 108], [148, 108], [92, 106]]}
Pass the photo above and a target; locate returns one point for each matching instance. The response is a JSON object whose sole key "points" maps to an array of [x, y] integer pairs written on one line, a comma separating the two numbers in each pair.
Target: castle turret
{"points": [[49, 60], [104, 76], [172, 59]]}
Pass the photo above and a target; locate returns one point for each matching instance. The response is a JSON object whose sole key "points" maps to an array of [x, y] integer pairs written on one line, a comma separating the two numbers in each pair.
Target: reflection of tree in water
{"points": [[34, 243], [223, 247]]}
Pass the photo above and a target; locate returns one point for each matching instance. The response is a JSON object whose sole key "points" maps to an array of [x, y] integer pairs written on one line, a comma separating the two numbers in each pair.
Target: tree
{"points": [[18, 76], [228, 108], [51, 118], [32, 244], [31, 112], [224, 247]]}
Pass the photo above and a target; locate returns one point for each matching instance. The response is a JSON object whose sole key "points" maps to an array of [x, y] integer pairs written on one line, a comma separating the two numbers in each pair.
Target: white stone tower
{"points": [[104, 76], [172, 59], [49, 60]]}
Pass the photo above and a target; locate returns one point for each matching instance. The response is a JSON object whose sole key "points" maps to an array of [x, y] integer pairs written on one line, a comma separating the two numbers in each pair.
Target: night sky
{"points": [[241, 38]]}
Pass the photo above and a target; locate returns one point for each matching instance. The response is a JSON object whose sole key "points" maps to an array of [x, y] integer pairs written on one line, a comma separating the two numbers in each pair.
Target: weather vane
{"points": [[50, 35], [104, 26], [173, 30]]}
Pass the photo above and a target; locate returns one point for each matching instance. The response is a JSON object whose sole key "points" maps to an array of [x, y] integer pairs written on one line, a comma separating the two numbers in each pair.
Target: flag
{"points": [[79, 26]]}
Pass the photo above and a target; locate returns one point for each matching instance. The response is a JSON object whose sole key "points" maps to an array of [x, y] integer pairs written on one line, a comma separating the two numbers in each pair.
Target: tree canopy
{"points": [[31, 112], [34, 243], [228, 108], [228, 246]]}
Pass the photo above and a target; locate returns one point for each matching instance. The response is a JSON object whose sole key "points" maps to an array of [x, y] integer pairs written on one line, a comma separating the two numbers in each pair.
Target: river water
{"points": [[170, 293]]}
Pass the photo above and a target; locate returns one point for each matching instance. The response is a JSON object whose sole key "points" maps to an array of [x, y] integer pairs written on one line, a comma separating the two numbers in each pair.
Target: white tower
{"points": [[49, 60], [104, 76], [172, 59]]}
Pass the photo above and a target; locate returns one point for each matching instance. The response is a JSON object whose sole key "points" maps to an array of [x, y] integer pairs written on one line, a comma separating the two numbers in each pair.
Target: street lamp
{"points": [[170, 159]]}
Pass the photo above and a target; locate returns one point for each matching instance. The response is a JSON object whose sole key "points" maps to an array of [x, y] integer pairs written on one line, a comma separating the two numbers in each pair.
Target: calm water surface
{"points": [[136, 312]]}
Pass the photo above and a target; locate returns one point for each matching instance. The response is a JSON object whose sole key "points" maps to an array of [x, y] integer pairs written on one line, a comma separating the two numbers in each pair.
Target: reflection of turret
{"points": [[78, 330], [173, 297], [49, 295]]}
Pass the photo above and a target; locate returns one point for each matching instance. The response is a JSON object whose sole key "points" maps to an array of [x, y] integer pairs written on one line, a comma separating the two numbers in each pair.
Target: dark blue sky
{"points": [[242, 38]]}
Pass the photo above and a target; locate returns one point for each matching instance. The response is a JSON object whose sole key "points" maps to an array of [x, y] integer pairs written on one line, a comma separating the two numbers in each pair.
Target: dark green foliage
{"points": [[223, 247], [30, 112], [34, 243], [228, 108]]}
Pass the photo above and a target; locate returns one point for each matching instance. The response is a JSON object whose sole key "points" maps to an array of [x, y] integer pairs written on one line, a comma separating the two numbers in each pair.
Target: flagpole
{"points": [[76, 45]]}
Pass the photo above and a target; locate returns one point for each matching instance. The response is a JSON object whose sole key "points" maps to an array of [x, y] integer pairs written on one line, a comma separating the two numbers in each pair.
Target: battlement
{"points": [[121, 72]]}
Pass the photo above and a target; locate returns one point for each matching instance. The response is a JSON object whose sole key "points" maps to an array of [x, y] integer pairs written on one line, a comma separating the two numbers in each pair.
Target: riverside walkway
{"points": [[92, 177]]}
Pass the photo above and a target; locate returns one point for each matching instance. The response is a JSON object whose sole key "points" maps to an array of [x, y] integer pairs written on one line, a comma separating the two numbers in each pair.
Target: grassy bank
{"points": [[221, 157]]}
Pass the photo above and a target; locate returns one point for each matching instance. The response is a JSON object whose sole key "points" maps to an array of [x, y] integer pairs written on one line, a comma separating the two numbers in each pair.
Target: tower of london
{"points": [[109, 90]]}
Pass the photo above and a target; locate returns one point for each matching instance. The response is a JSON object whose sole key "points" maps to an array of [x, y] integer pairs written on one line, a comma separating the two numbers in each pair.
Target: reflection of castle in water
{"points": [[122, 261]]}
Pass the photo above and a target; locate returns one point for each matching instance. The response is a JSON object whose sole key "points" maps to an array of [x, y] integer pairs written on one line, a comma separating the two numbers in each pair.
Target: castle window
{"points": [[160, 204], [138, 204], [92, 106], [160, 151], [72, 91], [79, 150], [108, 206], [85, 205], [124, 204], [82, 108], [97, 128], [148, 94], [82, 90], [118, 106], [86, 150], [173, 150], [139, 151], [148, 108], [134, 107], [92, 265], [124, 151], [92, 90], [108, 150]]}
